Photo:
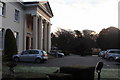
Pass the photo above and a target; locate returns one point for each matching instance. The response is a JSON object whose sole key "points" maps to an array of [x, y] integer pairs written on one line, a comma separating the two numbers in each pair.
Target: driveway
{"points": [[74, 60]]}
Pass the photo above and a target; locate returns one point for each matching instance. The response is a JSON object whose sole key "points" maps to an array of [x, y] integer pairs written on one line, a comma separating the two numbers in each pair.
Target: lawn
{"points": [[109, 74], [106, 74]]}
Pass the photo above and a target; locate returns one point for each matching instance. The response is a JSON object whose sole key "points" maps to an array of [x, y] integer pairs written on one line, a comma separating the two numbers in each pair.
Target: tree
{"points": [[53, 40], [72, 41], [10, 46], [78, 33], [109, 38], [64, 38]]}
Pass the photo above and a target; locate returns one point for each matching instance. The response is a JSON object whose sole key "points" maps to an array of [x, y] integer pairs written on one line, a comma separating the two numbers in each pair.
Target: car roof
{"points": [[113, 50], [35, 49]]}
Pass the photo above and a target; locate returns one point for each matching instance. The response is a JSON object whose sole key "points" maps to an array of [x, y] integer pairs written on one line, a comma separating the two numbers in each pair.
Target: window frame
{"points": [[3, 9], [17, 15]]}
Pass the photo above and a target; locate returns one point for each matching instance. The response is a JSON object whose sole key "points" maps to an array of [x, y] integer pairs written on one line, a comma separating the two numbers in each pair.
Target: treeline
{"points": [[82, 42]]}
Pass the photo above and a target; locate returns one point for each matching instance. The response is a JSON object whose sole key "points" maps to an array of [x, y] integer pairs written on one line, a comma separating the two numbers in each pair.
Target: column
{"points": [[1, 5], [35, 33], [40, 34], [24, 33], [49, 37], [45, 35]]}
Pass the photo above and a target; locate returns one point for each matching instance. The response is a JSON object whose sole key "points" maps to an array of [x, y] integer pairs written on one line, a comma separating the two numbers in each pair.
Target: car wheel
{"points": [[16, 59], [111, 59], [38, 60]]}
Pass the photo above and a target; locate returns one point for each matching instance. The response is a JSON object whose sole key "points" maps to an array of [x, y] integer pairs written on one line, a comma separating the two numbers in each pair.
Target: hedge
{"points": [[79, 72]]}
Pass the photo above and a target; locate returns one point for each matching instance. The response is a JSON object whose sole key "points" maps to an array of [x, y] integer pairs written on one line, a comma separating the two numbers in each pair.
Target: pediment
{"points": [[47, 7]]}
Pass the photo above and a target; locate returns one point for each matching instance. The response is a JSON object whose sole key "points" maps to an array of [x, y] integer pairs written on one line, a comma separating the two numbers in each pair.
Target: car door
{"points": [[24, 55], [33, 55]]}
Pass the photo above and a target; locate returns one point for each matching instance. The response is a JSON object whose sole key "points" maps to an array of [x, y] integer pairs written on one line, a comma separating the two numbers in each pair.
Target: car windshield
{"points": [[44, 52], [118, 52]]}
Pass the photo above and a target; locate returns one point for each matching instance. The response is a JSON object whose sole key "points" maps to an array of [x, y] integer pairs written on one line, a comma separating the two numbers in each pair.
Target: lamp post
{"points": [[98, 68]]}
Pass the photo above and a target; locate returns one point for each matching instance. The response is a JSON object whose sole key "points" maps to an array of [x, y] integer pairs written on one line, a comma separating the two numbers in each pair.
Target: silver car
{"points": [[111, 54], [101, 54], [31, 55]]}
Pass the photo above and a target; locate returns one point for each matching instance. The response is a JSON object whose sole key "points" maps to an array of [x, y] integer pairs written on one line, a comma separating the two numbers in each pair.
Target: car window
{"points": [[118, 52], [43, 52], [25, 52], [34, 52]]}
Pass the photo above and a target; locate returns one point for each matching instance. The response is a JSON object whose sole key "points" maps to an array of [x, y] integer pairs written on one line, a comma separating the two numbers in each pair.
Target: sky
{"points": [[83, 14]]}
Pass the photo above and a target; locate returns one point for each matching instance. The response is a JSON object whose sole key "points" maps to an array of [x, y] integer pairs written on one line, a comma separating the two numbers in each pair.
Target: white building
{"points": [[119, 14], [30, 22]]}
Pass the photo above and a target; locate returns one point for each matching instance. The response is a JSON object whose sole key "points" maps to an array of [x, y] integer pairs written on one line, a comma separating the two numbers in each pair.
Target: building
{"points": [[30, 23], [119, 14]]}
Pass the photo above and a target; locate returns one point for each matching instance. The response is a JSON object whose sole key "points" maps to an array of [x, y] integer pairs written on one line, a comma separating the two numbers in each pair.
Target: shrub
{"points": [[79, 72], [10, 46]]}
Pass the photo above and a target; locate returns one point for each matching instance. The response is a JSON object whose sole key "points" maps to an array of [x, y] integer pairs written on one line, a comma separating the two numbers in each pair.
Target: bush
{"points": [[79, 72], [10, 46]]}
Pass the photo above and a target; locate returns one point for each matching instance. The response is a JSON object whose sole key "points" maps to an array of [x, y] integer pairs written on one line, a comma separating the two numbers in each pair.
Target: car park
{"points": [[57, 53], [111, 54], [31, 55]]}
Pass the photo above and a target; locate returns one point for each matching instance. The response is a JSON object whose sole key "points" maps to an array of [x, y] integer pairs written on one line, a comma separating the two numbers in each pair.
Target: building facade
{"points": [[30, 23], [119, 16]]}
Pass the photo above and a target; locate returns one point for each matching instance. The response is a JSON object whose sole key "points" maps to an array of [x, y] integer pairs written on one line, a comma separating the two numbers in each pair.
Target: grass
{"points": [[106, 74], [109, 74], [45, 70]]}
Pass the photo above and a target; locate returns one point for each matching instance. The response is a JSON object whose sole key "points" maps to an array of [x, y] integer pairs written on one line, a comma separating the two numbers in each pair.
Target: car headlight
{"points": [[116, 57]]}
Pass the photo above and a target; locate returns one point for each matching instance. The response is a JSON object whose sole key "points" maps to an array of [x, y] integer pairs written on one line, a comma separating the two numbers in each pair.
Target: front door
{"points": [[27, 43]]}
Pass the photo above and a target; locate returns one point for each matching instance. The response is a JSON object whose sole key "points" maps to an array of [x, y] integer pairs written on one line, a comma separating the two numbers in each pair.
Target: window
{"points": [[3, 9], [25, 52], [17, 15], [116, 52], [34, 52]]}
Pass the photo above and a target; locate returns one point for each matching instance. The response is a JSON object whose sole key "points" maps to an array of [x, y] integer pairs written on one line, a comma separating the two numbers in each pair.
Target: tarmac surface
{"points": [[74, 60]]}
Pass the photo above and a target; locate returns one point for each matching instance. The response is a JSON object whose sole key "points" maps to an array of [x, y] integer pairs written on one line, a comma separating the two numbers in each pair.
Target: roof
{"points": [[44, 5]]}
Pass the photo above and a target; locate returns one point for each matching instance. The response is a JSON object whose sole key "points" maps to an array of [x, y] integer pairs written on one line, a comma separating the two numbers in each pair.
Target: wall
{"points": [[8, 21], [119, 14]]}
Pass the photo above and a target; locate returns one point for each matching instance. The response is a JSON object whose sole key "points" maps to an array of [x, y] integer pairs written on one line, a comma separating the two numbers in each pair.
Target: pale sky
{"points": [[83, 14]]}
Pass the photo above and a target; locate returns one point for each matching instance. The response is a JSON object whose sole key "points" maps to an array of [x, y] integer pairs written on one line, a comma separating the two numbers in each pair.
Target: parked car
{"points": [[117, 59], [111, 54], [31, 55], [102, 54], [57, 53]]}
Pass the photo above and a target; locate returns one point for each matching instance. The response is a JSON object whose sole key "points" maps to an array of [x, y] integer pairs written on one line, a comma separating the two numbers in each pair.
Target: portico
{"points": [[37, 28], [37, 33]]}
